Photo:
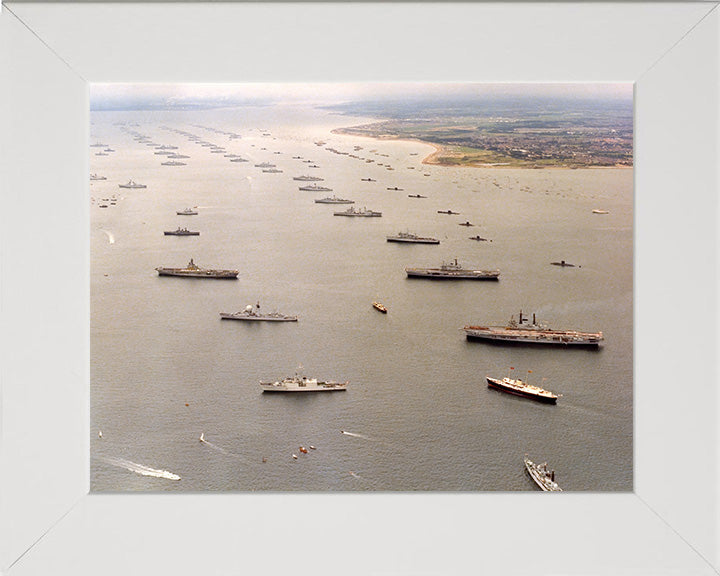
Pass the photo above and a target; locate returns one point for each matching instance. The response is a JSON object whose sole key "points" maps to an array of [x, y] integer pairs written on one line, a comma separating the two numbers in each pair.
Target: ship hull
{"points": [[226, 316], [499, 385], [213, 274], [292, 390], [440, 275], [544, 483], [414, 241], [182, 233], [535, 339]]}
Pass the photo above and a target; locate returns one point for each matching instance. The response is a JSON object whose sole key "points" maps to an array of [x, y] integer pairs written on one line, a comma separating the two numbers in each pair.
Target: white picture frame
{"points": [[50, 524]]}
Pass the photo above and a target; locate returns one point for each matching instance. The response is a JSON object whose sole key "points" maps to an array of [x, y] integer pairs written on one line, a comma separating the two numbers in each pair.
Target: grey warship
{"points": [[409, 238], [334, 200], [254, 315], [543, 477], [315, 188], [524, 332], [181, 232], [364, 212], [194, 271], [452, 271]]}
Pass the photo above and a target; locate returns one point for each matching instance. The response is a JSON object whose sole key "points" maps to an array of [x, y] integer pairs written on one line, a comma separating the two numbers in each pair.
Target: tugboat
{"points": [[194, 271], [251, 315], [452, 271], [408, 238], [181, 232], [379, 307], [520, 388], [523, 332], [540, 474], [354, 212], [303, 384]]}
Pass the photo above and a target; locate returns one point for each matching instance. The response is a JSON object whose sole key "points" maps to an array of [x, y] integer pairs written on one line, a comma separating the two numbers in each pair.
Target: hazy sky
{"points": [[333, 93]]}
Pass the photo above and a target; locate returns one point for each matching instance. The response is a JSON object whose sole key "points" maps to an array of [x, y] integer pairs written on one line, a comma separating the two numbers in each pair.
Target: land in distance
{"points": [[512, 132]]}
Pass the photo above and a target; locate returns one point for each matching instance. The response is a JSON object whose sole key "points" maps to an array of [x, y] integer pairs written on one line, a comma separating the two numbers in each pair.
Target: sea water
{"points": [[417, 414]]}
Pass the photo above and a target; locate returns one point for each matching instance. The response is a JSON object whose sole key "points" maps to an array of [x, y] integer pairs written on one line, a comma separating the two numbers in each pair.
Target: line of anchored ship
{"points": [[523, 331]]}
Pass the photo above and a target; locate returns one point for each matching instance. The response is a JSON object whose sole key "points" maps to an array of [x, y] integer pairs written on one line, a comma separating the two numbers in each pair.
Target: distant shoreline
{"points": [[441, 150]]}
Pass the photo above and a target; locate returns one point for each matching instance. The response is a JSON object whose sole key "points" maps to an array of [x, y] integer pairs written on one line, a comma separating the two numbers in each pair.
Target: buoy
{"points": [[186, 404]]}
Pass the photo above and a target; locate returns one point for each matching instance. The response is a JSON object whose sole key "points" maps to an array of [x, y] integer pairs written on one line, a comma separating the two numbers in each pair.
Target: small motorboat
{"points": [[379, 307]]}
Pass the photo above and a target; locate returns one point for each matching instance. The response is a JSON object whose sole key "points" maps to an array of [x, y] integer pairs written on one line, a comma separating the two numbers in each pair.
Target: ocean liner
{"points": [[520, 388]]}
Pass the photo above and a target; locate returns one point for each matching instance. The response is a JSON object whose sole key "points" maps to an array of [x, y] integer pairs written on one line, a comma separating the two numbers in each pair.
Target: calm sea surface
{"points": [[417, 414]]}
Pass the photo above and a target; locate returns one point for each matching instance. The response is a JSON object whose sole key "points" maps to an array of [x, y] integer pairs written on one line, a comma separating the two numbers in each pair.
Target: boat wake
{"points": [[110, 236], [140, 469], [220, 448], [354, 435]]}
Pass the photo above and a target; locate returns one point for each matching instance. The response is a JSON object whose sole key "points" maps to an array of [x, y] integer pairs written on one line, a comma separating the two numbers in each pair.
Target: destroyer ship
{"points": [[315, 188], [194, 271], [452, 271], [543, 477], [253, 315], [525, 332], [354, 212], [308, 178], [409, 238], [132, 185], [181, 232], [334, 200], [520, 388], [302, 384]]}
